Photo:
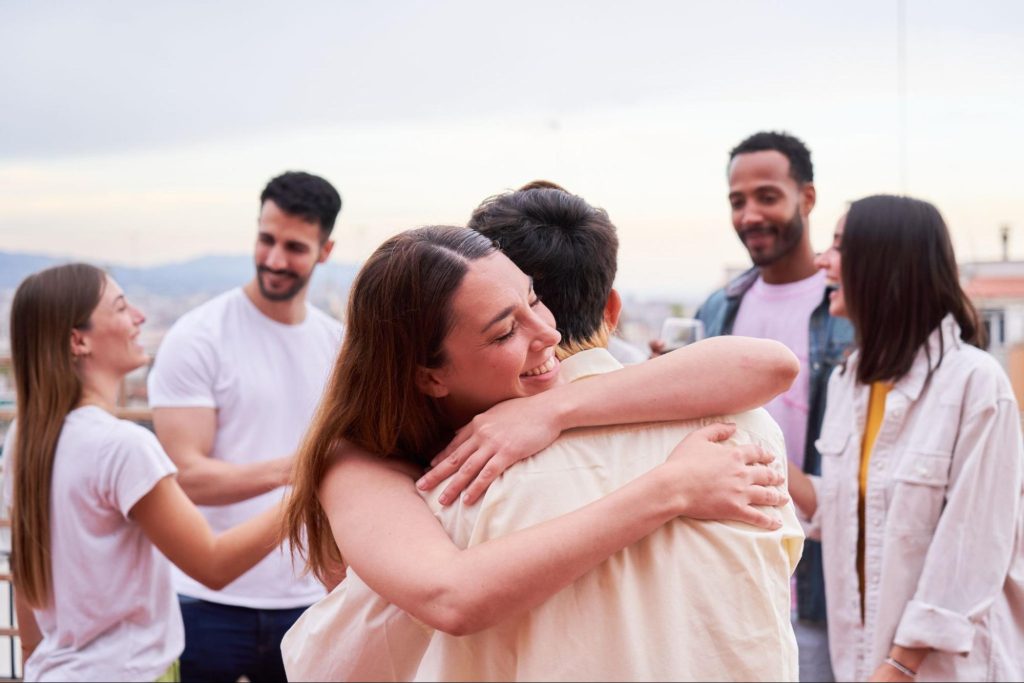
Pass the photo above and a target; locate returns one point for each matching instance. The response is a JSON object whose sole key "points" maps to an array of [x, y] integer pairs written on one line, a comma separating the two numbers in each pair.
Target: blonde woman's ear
{"points": [[79, 345], [430, 382]]}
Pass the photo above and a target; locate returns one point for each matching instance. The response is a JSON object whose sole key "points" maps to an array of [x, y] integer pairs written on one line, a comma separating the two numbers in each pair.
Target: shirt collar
{"points": [[943, 338], [741, 283], [588, 363]]}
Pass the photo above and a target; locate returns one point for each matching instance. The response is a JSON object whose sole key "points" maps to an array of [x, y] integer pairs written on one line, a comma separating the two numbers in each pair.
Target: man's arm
{"points": [[187, 435]]}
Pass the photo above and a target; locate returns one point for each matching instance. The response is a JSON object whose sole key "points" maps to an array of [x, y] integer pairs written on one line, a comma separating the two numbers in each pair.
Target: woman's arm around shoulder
{"points": [[716, 376], [387, 534]]}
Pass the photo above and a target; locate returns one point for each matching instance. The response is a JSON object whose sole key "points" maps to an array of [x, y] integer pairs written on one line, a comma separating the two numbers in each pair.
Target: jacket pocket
{"points": [[832, 445], [918, 492], [832, 442]]}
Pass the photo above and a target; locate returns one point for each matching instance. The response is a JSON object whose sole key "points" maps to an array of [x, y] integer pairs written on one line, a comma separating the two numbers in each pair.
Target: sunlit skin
{"points": [[831, 261], [501, 346], [288, 248], [770, 214], [110, 343], [107, 349]]}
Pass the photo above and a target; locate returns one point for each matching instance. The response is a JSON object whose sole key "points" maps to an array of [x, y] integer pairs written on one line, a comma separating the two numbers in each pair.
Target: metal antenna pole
{"points": [[901, 88]]}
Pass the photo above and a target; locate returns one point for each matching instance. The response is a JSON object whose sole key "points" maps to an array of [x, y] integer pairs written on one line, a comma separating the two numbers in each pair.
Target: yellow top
{"points": [[876, 412]]}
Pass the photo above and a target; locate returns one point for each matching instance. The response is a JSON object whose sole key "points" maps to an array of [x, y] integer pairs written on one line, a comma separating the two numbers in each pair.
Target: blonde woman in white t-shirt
{"points": [[96, 509]]}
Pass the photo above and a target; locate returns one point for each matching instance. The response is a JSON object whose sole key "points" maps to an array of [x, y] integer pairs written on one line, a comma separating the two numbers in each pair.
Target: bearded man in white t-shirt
{"points": [[233, 388], [783, 297]]}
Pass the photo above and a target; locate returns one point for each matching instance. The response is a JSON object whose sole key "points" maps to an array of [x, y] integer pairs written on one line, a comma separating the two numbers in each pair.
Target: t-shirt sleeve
{"points": [[134, 464], [184, 371]]}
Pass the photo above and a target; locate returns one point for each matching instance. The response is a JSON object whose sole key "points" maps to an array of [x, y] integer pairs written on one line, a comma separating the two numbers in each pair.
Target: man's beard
{"points": [[298, 283], [787, 237]]}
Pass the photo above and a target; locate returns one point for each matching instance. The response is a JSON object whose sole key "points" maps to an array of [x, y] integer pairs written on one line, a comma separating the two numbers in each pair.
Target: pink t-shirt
{"points": [[782, 313]]}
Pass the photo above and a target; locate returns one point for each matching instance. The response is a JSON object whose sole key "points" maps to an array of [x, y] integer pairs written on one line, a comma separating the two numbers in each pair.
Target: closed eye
{"points": [[508, 335]]}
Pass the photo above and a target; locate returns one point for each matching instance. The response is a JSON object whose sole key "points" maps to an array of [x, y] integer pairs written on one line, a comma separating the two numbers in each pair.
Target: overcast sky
{"points": [[143, 132]]}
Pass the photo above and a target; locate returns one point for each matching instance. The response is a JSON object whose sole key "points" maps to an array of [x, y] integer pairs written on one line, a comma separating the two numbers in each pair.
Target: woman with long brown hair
{"points": [[918, 506], [441, 327], [94, 500]]}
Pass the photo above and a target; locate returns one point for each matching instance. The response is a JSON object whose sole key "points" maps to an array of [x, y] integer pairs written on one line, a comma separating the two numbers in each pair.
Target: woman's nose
{"points": [[546, 336]]}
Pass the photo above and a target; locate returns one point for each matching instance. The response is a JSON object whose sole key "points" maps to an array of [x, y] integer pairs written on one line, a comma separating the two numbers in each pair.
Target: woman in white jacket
{"points": [[918, 506]]}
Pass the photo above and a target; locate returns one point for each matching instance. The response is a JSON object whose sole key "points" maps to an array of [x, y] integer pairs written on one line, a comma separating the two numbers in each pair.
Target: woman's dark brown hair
{"points": [[399, 313], [900, 280]]}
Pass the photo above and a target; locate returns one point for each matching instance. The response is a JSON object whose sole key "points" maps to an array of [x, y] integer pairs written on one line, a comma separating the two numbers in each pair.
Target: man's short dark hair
{"points": [[307, 196], [567, 246], [800, 167]]}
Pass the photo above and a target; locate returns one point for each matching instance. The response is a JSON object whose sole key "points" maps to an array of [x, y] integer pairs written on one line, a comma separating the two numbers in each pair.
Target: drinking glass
{"points": [[678, 332]]}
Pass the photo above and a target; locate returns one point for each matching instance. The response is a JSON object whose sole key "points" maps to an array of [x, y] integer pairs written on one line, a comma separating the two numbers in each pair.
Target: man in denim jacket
{"points": [[784, 297]]}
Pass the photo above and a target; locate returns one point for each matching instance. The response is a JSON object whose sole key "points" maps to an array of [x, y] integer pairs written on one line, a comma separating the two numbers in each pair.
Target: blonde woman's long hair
{"points": [[399, 313], [46, 308]]}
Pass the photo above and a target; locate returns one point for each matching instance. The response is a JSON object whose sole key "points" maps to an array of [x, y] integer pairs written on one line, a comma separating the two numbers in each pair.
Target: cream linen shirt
{"points": [[692, 601], [944, 566]]}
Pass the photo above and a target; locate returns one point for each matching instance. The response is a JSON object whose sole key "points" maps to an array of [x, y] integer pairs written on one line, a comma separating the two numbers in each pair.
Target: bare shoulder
{"points": [[351, 461]]}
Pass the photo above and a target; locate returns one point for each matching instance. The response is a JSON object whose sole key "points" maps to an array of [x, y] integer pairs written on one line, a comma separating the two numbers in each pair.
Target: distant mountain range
{"points": [[203, 275]]}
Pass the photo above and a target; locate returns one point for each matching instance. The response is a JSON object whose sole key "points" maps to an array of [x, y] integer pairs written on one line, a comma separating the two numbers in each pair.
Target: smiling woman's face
{"points": [[110, 342], [831, 261], [502, 342]]}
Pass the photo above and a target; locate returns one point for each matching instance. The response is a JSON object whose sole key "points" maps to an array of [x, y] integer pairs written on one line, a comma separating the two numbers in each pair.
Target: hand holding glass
{"points": [[678, 332]]}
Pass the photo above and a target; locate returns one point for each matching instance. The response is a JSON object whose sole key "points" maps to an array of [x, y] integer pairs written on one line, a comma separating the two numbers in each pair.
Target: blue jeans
{"points": [[224, 642]]}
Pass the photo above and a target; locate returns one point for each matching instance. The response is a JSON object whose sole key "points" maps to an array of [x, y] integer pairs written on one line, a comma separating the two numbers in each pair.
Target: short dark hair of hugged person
{"points": [[541, 184], [567, 246], [308, 196], [898, 250], [800, 167], [399, 314]]}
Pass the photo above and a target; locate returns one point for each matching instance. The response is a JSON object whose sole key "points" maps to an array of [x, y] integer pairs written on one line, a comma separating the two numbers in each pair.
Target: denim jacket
{"points": [[830, 339]]}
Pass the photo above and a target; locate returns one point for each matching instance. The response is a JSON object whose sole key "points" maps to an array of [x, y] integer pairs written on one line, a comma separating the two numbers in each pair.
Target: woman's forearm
{"points": [[716, 376], [550, 556], [391, 539], [801, 490], [182, 534]]}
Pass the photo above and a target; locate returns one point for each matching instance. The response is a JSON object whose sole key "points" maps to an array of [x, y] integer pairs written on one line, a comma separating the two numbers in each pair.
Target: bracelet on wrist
{"points": [[902, 668]]}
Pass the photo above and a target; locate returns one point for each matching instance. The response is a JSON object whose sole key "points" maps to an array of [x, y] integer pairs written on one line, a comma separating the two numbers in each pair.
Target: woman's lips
{"points": [[544, 368]]}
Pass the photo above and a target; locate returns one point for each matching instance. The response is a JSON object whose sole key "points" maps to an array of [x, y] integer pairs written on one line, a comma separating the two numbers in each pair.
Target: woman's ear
{"points": [[430, 381], [79, 344]]}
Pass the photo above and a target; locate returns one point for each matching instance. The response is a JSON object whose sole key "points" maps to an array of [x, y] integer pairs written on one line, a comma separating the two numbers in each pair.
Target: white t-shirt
{"points": [[265, 379], [113, 614], [783, 313]]}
